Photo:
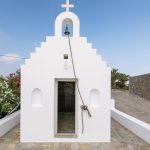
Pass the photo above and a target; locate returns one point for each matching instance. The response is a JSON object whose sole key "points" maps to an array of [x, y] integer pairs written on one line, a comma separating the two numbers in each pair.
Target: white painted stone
{"points": [[138, 127], [112, 103], [94, 98], [67, 6], [41, 71], [9, 122], [61, 18], [36, 98]]}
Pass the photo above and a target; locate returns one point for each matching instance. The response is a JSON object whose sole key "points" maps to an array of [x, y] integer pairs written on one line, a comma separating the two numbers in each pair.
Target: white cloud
{"points": [[10, 58]]}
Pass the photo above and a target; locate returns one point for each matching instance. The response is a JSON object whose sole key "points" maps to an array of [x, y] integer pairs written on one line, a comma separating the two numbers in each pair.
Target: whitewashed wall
{"points": [[138, 127], [9, 122], [38, 77]]}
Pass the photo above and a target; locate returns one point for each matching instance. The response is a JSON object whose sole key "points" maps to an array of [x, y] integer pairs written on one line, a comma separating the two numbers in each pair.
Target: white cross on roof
{"points": [[67, 6]]}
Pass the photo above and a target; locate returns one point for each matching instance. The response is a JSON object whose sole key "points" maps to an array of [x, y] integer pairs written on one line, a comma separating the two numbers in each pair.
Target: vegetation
{"points": [[119, 80], [9, 93]]}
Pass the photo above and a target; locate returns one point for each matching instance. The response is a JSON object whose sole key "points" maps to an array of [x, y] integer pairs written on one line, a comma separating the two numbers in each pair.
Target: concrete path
{"points": [[132, 105], [122, 139]]}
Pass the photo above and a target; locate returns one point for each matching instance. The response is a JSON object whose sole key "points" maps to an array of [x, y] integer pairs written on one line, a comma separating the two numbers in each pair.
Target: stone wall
{"points": [[140, 85]]}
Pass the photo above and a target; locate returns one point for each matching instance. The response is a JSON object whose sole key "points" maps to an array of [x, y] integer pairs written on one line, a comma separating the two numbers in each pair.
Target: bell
{"points": [[67, 31]]}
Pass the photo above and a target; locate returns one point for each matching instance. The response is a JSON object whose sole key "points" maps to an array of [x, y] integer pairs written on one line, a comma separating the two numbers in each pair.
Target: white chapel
{"points": [[65, 88]]}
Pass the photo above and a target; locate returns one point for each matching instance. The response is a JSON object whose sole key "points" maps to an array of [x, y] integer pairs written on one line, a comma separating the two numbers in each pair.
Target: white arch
{"points": [[67, 15], [36, 98]]}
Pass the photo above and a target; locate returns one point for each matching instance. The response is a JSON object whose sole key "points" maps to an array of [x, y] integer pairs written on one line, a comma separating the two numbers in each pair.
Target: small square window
{"points": [[65, 56]]}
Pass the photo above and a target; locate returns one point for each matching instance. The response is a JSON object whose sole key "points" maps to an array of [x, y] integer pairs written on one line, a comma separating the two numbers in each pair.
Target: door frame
{"points": [[59, 135]]}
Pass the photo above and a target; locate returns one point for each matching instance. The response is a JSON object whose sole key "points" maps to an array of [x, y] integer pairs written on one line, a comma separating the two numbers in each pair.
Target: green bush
{"points": [[9, 93]]}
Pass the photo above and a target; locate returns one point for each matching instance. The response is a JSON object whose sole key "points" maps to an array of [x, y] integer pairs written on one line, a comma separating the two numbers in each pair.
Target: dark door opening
{"points": [[66, 107]]}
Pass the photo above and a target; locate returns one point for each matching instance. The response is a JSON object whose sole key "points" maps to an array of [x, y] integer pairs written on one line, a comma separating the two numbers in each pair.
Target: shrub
{"points": [[9, 93]]}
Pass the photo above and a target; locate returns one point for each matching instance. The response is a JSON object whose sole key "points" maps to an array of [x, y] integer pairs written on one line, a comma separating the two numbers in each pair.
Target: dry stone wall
{"points": [[140, 85]]}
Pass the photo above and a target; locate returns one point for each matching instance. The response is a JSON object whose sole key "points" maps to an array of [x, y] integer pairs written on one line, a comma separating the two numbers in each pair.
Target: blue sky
{"points": [[118, 29]]}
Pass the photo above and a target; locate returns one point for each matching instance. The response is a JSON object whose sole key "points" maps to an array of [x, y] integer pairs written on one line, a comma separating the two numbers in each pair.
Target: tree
{"points": [[118, 80], [114, 77]]}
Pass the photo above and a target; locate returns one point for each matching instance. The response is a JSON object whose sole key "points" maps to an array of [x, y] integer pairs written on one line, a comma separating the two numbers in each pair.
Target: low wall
{"points": [[138, 127], [140, 85], [7, 123]]}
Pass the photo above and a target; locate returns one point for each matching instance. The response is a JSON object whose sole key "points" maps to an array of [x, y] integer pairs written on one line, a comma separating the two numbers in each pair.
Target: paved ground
{"points": [[133, 105], [122, 139]]}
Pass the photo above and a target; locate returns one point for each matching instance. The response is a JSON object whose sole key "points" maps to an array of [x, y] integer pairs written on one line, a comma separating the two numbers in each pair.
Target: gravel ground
{"points": [[132, 105]]}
